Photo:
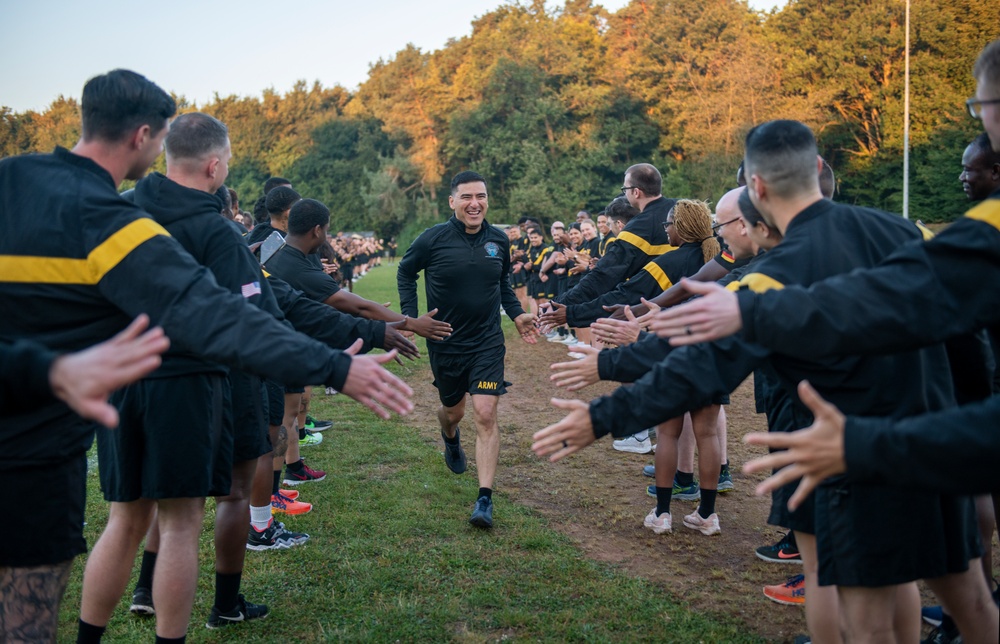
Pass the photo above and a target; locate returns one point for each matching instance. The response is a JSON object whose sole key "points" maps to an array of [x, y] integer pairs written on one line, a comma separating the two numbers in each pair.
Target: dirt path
{"points": [[598, 498]]}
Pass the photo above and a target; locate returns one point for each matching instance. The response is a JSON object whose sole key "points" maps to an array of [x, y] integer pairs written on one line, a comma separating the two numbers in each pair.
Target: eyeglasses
{"points": [[668, 223], [976, 106], [625, 189], [717, 227]]}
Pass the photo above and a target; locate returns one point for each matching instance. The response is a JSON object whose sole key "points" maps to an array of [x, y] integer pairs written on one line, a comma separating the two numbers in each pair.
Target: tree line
{"points": [[552, 104]]}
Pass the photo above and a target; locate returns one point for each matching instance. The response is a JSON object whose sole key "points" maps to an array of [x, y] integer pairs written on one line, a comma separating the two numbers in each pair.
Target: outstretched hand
{"points": [[525, 324], [395, 340], [426, 326], [571, 434], [373, 386], [714, 315], [812, 454], [85, 379], [555, 316], [577, 374]]}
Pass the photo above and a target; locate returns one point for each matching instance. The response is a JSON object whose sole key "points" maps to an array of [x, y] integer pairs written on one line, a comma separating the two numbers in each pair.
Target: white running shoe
{"points": [[658, 524], [636, 443], [707, 526]]}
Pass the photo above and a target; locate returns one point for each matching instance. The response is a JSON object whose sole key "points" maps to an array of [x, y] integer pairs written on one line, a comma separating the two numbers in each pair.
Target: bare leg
{"points": [[869, 615], [29, 601], [966, 597], [987, 523], [232, 520], [450, 417], [110, 562], [685, 446], [822, 606], [706, 426], [304, 406], [667, 450], [583, 334], [176, 573], [723, 437], [487, 437], [292, 403]]}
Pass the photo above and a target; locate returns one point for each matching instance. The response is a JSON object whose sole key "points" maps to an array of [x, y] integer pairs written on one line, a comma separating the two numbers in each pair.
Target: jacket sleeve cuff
{"points": [[747, 301], [340, 365]]}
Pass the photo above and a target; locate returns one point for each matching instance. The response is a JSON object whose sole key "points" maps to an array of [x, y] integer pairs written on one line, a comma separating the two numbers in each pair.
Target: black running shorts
{"points": [[53, 511], [275, 402], [879, 535], [250, 438], [780, 418], [456, 374], [175, 440]]}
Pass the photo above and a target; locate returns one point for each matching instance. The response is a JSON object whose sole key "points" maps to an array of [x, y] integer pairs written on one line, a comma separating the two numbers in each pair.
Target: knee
{"points": [[486, 419]]}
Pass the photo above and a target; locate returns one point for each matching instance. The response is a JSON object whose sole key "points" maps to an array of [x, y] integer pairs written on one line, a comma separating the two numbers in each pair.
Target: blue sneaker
{"points": [[649, 470], [725, 480], [932, 615], [690, 493], [482, 514]]}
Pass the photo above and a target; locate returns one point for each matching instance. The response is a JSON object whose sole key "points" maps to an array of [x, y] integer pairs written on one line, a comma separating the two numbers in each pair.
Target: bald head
{"points": [[732, 230]]}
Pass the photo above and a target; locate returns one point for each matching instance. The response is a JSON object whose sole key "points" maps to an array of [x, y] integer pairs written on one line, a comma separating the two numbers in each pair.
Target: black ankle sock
{"points": [[948, 624], [453, 440], [227, 587], [87, 633], [171, 640], [684, 479], [487, 492], [725, 466], [146, 570], [294, 467], [276, 482], [663, 497], [707, 506]]}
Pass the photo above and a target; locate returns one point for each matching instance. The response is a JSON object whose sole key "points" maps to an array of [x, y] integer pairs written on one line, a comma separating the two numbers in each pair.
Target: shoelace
{"points": [[792, 581]]}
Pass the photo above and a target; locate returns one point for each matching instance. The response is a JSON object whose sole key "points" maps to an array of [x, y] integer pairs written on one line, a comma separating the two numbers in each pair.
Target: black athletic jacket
{"points": [[78, 263], [642, 241], [466, 280], [24, 376], [824, 239], [654, 278]]}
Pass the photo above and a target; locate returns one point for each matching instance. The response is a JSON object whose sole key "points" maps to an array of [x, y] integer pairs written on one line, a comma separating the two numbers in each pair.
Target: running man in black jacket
{"points": [[466, 263]]}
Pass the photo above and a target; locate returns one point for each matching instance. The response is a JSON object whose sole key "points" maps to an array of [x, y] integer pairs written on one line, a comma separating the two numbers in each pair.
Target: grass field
{"points": [[392, 557]]}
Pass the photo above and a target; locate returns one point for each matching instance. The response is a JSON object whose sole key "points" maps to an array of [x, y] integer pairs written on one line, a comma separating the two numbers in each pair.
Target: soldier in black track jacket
{"points": [[466, 263]]}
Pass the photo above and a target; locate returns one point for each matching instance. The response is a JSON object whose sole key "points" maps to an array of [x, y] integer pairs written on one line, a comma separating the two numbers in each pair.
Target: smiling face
{"points": [[469, 201], [575, 236], [589, 232]]}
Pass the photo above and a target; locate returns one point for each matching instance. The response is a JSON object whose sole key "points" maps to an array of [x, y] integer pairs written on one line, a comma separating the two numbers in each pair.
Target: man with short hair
{"points": [[76, 262], [278, 203], [607, 235], [466, 262]]}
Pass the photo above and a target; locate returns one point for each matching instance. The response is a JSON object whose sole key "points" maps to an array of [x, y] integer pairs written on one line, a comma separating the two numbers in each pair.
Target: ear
{"points": [[756, 185], [451, 201], [996, 172], [213, 166], [141, 136]]}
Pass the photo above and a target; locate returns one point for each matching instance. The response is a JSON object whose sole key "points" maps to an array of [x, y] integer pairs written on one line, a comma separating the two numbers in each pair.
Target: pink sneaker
{"points": [[707, 526], [658, 524]]}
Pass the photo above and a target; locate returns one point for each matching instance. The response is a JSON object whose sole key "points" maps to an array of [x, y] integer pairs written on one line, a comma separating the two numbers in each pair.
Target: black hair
{"points": [[260, 214], [645, 177], [115, 104], [274, 182], [620, 209], [750, 212], [783, 153], [195, 135], [982, 145], [227, 203], [281, 199], [306, 214], [467, 176]]}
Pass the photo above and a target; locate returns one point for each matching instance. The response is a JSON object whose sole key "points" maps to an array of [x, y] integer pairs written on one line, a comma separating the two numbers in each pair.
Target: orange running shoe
{"points": [[791, 592], [292, 494], [281, 504]]}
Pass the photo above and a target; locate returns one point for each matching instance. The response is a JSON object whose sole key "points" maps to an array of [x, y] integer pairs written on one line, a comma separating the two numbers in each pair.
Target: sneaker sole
{"points": [[281, 545], [634, 450], [293, 482], [726, 487], [778, 561], [701, 529], [657, 530], [480, 522], [785, 602], [142, 610], [291, 514], [212, 626]]}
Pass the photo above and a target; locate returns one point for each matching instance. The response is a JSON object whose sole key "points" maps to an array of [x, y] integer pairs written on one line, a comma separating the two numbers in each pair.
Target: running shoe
{"points": [[790, 593], [932, 615], [454, 455], [681, 493], [310, 439], [942, 635], [567, 340], [292, 494], [271, 538], [313, 425], [708, 526], [658, 524], [578, 356], [244, 611], [281, 504], [553, 336], [634, 444], [725, 480], [482, 514], [649, 470], [307, 475], [142, 602], [330, 391], [785, 551]]}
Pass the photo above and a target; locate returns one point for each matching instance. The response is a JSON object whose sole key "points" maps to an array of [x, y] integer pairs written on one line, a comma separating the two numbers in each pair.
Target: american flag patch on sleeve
{"points": [[251, 289]]}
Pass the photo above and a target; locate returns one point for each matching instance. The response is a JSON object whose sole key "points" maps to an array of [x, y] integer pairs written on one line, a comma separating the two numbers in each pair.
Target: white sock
{"points": [[260, 517], [642, 436]]}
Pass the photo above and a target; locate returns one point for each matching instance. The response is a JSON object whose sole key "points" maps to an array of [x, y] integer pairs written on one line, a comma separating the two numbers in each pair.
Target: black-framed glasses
{"points": [[667, 224], [716, 227], [976, 106], [625, 189]]}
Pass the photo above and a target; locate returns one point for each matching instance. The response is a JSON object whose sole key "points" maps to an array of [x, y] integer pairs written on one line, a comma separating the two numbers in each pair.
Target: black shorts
{"points": [[275, 402], [456, 374], [879, 535], [54, 513], [517, 279], [174, 440], [780, 418], [537, 289], [249, 413]]}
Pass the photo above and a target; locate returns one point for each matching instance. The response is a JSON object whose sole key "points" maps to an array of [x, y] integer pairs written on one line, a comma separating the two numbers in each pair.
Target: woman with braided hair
{"points": [[692, 224]]}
